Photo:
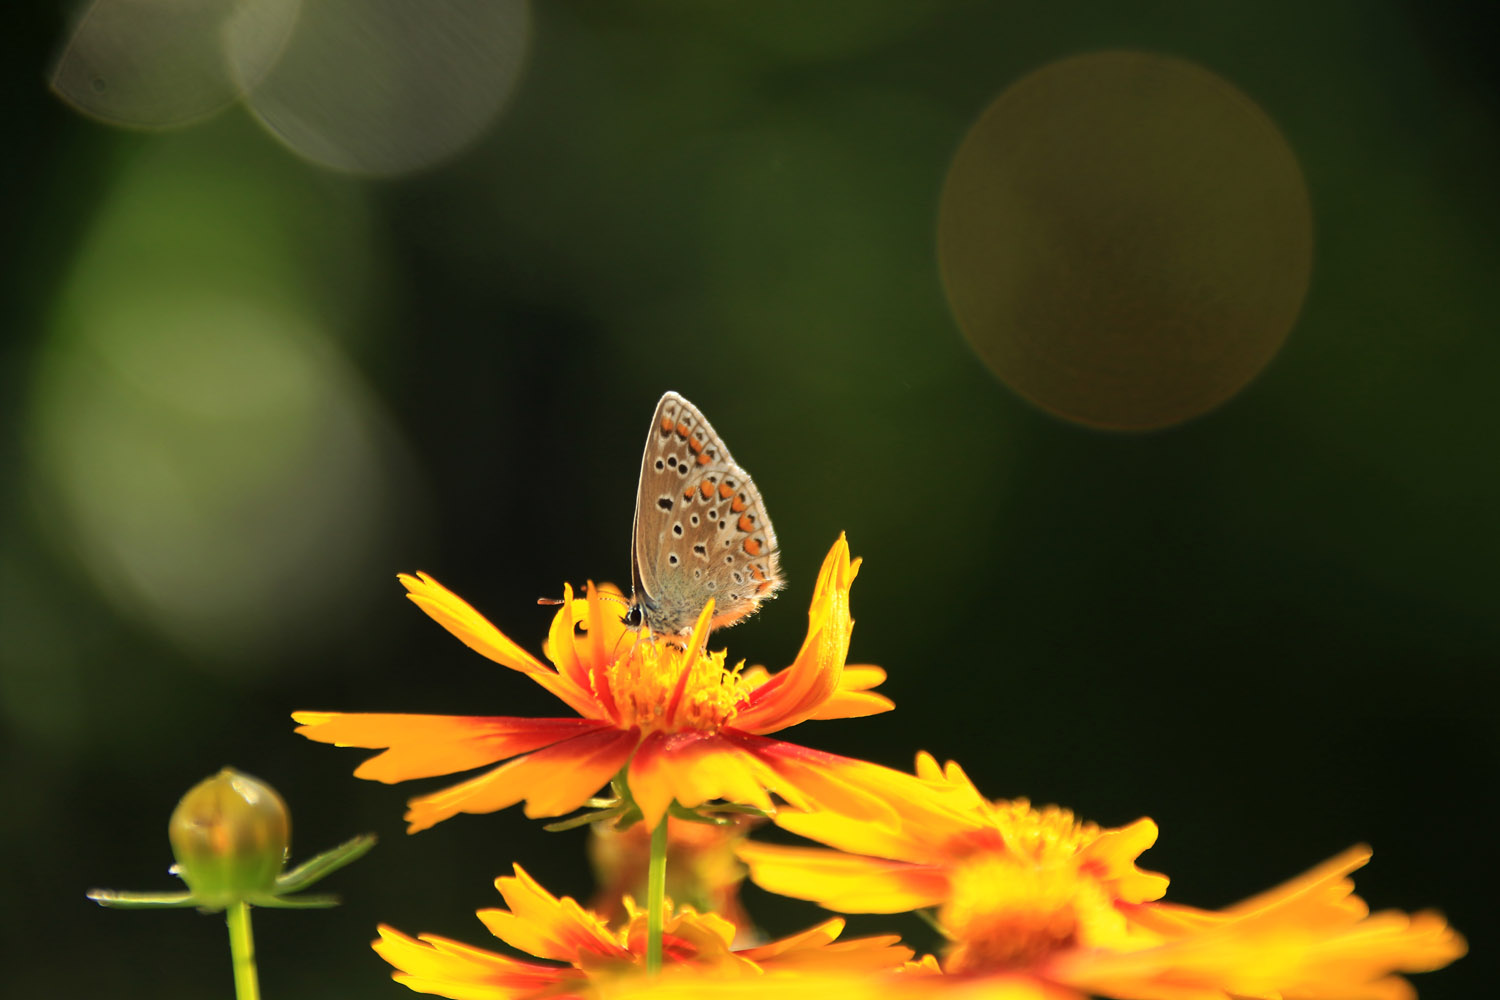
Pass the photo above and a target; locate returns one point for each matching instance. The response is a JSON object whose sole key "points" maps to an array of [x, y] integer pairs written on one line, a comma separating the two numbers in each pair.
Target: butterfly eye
{"points": [[632, 617]]}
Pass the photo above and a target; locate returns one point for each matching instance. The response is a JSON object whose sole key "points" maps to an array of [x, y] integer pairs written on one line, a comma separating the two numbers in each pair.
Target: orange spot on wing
{"points": [[696, 445], [682, 429], [707, 489], [752, 547], [746, 523], [703, 459], [687, 494], [666, 425], [765, 586], [757, 572], [725, 491], [738, 505]]}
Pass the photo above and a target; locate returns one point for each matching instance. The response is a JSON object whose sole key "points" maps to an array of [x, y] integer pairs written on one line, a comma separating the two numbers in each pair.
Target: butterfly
{"points": [[701, 529]]}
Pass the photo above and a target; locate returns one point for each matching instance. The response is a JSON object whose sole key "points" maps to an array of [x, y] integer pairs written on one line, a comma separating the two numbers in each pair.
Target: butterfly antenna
{"points": [[641, 633]]}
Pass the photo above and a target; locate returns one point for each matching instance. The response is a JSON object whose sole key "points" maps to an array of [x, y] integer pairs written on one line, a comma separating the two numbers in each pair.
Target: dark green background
{"points": [[1273, 629]]}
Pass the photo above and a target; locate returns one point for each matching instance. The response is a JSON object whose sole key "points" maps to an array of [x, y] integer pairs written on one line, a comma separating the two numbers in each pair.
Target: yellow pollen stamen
{"points": [[1045, 835], [657, 676]]}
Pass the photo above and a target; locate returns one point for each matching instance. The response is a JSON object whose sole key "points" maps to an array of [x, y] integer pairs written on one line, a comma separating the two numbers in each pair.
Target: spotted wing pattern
{"points": [[701, 529]]}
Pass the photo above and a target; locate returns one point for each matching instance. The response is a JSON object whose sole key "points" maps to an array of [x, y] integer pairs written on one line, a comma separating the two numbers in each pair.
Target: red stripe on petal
{"points": [[796, 693], [421, 746], [541, 924], [650, 784], [827, 781], [434, 964], [555, 780]]}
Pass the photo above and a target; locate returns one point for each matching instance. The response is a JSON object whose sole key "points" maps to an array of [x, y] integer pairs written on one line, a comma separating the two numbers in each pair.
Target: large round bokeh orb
{"points": [[1125, 239]]}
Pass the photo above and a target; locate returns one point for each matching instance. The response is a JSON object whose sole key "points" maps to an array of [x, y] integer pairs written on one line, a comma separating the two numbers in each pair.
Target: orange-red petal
{"points": [[824, 781], [553, 780], [695, 767], [421, 746], [434, 964], [475, 631], [695, 983], [539, 923], [854, 699], [796, 693]]}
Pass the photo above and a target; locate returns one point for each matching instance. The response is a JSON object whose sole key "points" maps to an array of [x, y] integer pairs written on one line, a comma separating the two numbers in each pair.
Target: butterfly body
{"points": [[701, 530]]}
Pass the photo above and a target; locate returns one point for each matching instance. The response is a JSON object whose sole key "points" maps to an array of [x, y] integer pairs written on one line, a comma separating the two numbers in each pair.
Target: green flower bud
{"points": [[230, 835]]}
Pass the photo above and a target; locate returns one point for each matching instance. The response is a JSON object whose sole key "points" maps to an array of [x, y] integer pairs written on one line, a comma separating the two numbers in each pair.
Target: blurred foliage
{"points": [[241, 392]]}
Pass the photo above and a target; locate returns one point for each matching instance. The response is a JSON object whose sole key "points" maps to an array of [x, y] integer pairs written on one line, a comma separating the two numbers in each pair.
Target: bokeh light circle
{"points": [[1125, 239], [197, 439], [386, 87], [158, 64]]}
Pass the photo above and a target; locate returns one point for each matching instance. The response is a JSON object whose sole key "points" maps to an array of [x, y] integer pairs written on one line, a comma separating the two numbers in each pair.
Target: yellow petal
{"points": [[1311, 937], [1115, 851], [850, 883], [852, 705], [433, 964]]}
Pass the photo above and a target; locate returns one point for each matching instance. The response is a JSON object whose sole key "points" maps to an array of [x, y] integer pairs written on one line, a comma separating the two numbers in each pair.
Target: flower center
{"points": [[1026, 891], [1005, 914], [657, 684], [1044, 836]]}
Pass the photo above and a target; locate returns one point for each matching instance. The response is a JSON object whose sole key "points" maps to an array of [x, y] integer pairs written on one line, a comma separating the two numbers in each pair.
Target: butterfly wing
{"points": [[701, 529]]}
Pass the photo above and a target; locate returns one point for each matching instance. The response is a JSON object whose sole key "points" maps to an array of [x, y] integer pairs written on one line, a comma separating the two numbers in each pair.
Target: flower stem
{"points": [[242, 952], [656, 891]]}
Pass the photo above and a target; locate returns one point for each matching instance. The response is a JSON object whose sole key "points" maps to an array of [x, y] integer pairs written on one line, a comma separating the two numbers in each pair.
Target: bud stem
{"points": [[656, 891], [242, 952]]}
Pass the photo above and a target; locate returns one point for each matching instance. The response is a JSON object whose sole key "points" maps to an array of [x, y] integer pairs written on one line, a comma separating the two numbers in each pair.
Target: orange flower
{"points": [[943, 826], [596, 959], [688, 728], [1038, 899]]}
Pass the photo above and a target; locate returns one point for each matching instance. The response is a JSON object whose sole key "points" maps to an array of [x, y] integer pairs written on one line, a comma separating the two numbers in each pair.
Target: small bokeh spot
{"points": [[1125, 239]]}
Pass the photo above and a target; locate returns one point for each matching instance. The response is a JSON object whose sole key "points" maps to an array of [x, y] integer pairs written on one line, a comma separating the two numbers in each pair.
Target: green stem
{"points": [[656, 892], [242, 952]]}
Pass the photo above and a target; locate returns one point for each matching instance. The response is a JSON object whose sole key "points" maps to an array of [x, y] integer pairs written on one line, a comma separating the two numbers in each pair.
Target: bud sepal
{"points": [[230, 835]]}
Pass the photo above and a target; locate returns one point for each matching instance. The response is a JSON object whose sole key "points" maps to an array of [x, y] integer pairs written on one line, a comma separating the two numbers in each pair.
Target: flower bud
{"points": [[230, 835]]}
